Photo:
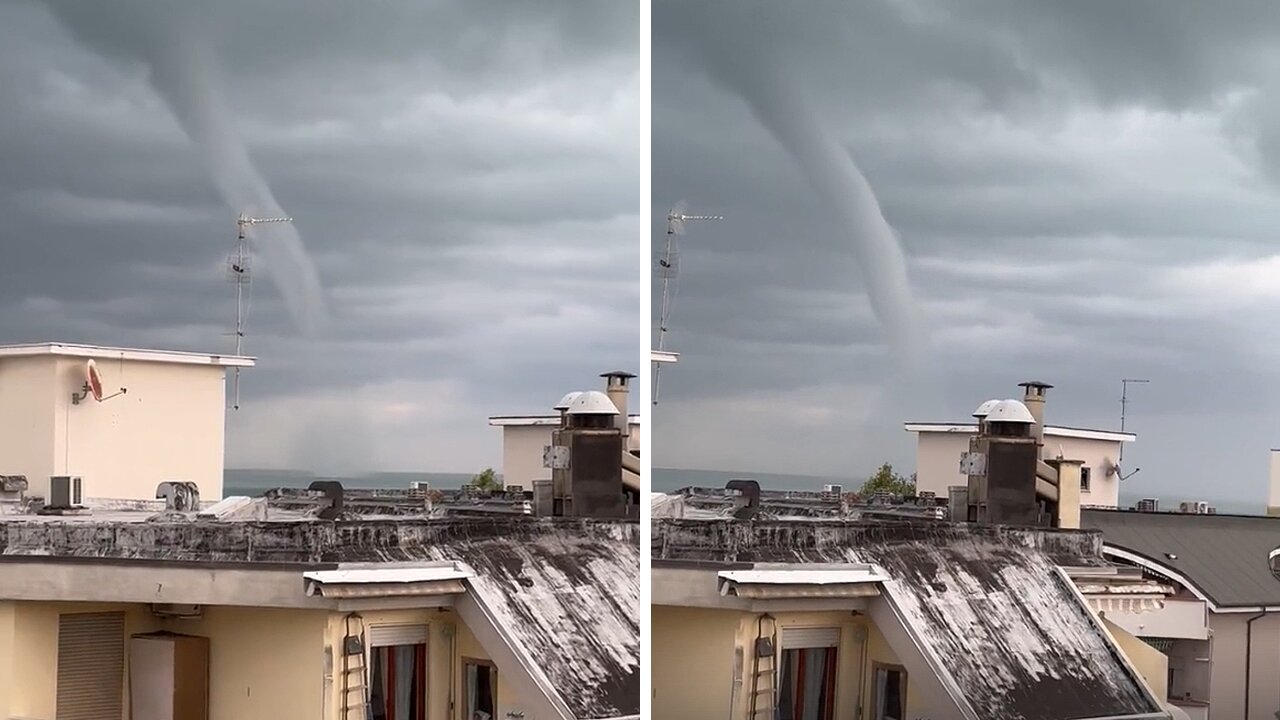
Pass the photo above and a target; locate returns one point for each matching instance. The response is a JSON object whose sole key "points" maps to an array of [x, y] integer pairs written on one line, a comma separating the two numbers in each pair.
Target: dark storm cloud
{"points": [[1085, 192], [463, 177]]}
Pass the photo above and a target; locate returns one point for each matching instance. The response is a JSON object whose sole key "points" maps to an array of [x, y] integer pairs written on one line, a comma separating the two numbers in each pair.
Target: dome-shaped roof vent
{"points": [[1010, 411], [566, 401], [594, 402], [985, 409]]}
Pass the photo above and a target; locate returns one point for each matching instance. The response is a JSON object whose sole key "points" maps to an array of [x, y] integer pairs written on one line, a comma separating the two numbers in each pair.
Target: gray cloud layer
{"points": [[1086, 192], [463, 175]]}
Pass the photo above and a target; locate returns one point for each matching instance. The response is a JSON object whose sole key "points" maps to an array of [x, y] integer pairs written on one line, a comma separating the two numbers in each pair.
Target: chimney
{"points": [[1273, 495], [1033, 398], [1004, 490], [617, 387]]}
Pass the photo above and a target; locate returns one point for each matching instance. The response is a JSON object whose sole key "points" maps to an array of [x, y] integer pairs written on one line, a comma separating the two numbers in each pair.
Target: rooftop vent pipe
{"points": [[750, 492], [1033, 399], [617, 387]]}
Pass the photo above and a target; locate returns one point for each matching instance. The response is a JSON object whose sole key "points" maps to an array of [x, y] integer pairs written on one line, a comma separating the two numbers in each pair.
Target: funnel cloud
{"points": [[782, 106], [183, 71]]}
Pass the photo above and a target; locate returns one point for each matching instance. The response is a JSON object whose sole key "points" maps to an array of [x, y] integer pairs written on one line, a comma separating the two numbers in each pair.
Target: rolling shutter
{"points": [[386, 635], [810, 637], [90, 666]]}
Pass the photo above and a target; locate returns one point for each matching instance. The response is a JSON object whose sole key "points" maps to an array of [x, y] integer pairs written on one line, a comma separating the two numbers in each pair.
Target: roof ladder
{"points": [[355, 671], [764, 675]]}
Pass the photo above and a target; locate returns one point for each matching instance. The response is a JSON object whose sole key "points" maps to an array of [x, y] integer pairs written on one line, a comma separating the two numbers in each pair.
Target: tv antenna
{"points": [[668, 268], [1124, 406], [238, 273]]}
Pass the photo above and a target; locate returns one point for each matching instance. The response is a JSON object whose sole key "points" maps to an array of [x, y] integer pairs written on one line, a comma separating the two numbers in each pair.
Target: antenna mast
{"points": [[1124, 402], [238, 273], [668, 268]]}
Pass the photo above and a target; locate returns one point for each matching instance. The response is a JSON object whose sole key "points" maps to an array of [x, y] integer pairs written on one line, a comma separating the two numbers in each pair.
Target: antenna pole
{"points": [[675, 221], [1124, 403], [239, 274]]}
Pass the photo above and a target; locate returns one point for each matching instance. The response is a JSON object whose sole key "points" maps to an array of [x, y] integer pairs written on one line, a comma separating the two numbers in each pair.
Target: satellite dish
{"points": [[1109, 467], [93, 381]]}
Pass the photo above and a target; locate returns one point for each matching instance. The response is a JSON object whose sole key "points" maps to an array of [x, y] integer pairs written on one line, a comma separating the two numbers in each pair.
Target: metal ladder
{"points": [[355, 672], [764, 675]]}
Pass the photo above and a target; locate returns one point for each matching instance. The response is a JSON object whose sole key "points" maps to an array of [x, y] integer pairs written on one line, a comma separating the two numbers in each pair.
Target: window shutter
{"points": [[810, 637], [385, 635], [90, 666]]}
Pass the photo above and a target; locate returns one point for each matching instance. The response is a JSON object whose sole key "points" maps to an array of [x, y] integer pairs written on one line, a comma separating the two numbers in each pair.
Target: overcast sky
{"points": [[463, 177], [1084, 192]]}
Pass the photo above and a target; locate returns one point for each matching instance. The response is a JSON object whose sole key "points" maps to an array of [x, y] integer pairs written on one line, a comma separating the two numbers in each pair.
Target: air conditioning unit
{"points": [[1202, 508], [833, 489], [65, 492]]}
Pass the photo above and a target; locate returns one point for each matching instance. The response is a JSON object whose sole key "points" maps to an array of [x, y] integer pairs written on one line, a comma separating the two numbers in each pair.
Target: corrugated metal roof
{"points": [[1223, 556]]}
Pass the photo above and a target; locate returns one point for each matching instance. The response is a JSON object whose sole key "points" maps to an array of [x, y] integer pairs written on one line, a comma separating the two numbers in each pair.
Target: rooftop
{"points": [[538, 420], [564, 592], [1221, 558], [1053, 430], [989, 606], [115, 353]]}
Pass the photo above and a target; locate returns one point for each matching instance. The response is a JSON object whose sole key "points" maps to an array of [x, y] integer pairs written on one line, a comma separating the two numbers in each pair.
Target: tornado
{"points": [[783, 108], [182, 70]]}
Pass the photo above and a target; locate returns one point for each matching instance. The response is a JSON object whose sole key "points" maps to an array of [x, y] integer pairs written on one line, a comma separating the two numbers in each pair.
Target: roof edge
{"points": [[100, 352], [1054, 430]]}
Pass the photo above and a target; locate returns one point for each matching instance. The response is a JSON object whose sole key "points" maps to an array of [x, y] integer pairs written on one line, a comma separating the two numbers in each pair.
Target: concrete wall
{"points": [[1226, 689], [1150, 663], [1187, 619], [938, 463], [263, 663], [701, 666], [170, 426], [26, 425], [522, 447]]}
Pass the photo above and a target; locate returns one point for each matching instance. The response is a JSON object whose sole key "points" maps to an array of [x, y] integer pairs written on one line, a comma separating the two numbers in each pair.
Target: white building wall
{"points": [[169, 426], [1226, 693], [938, 463], [522, 447], [27, 418]]}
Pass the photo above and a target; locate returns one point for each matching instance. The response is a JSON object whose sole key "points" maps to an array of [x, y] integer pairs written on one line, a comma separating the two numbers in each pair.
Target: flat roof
{"points": [[116, 353], [538, 420], [1054, 430]]}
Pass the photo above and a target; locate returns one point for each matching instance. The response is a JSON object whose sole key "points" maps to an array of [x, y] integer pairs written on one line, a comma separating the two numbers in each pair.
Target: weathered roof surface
{"points": [[571, 602], [1224, 556], [566, 591], [988, 603]]}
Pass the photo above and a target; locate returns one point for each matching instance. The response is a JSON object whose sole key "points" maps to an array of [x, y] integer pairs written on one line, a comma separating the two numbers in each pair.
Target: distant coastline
{"points": [[242, 481], [669, 479]]}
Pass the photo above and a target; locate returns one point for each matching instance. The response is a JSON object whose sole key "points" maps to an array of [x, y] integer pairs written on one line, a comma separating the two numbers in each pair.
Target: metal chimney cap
{"points": [[985, 408], [1011, 411], [618, 374], [566, 401], [592, 402], [1035, 384]]}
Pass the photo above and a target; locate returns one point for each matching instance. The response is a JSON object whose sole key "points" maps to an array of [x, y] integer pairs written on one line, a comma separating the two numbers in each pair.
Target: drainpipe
{"points": [[1248, 655]]}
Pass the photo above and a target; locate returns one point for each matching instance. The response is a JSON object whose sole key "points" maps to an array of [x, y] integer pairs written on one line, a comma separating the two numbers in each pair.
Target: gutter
{"points": [[1248, 654]]}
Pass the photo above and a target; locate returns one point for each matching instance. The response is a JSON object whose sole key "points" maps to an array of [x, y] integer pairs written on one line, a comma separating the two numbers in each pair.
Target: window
{"points": [[890, 698], [808, 674], [398, 672], [1084, 479], [90, 679], [481, 690]]}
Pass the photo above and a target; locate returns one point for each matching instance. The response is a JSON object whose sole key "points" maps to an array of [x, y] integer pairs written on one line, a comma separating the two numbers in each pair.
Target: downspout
{"points": [[1248, 655]]}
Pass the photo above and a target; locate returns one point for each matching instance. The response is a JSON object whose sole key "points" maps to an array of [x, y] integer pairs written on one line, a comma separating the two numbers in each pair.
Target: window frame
{"points": [[876, 667]]}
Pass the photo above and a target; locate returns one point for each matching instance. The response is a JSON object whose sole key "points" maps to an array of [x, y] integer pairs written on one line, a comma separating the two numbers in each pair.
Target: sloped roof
{"points": [[565, 591], [1224, 557], [989, 605]]}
